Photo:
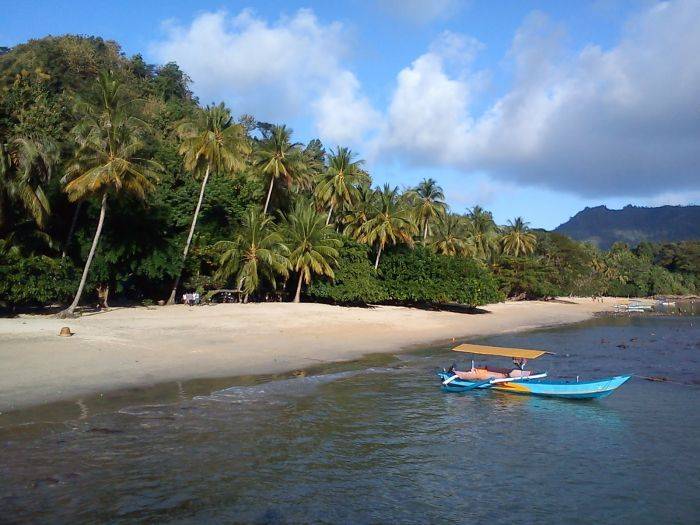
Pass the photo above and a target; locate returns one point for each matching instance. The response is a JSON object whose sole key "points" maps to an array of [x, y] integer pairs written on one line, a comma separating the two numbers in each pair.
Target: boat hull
{"points": [[538, 387]]}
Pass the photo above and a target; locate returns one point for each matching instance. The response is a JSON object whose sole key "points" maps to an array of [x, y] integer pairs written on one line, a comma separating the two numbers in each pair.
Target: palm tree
{"points": [[518, 239], [278, 159], [211, 143], [391, 223], [428, 204], [338, 187], [364, 206], [313, 245], [257, 253], [482, 232], [25, 165], [448, 238], [106, 161], [310, 166]]}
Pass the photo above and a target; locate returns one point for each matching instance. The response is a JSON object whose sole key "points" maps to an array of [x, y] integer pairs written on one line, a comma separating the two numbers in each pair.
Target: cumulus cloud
{"points": [[621, 121], [274, 71]]}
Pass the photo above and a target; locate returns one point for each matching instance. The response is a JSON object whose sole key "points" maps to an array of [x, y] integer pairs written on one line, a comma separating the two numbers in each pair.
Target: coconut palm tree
{"points": [[338, 186], [517, 238], [313, 245], [427, 200], [106, 162], [211, 143], [364, 206], [310, 168], [448, 239], [258, 253], [277, 158], [26, 164], [482, 232], [391, 223]]}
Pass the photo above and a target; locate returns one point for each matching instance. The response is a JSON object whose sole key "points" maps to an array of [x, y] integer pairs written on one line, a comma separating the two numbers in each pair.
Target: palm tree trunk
{"points": [[297, 296], [328, 219], [269, 194], [379, 254], [425, 231], [69, 312], [171, 299], [71, 230]]}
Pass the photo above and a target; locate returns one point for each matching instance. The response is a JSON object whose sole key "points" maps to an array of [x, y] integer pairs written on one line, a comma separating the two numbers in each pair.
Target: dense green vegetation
{"points": [[115, 184]]}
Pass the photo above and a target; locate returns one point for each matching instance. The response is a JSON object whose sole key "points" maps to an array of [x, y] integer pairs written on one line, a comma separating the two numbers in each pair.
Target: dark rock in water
{"points": [[633, 340], [622, 346], [103, 430], [50, 481]]}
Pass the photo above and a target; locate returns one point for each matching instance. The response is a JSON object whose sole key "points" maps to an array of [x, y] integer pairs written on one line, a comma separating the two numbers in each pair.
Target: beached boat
{"points": [[519, 380]]}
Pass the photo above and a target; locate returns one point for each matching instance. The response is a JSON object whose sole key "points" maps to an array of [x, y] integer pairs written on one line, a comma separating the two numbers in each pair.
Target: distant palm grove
{"points": [[117, 185]]}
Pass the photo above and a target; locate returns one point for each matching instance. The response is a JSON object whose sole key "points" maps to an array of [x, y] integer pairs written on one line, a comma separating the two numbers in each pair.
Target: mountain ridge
{"points": [[633, 224]]}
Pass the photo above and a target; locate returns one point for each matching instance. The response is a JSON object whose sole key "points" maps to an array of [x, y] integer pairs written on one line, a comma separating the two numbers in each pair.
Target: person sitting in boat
{"points": [[478, 373]]}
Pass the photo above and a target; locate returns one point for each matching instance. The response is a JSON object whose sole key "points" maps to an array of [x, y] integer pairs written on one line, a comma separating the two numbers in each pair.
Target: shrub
{"points": [[422, 276], [355, 280], [36, 280]]}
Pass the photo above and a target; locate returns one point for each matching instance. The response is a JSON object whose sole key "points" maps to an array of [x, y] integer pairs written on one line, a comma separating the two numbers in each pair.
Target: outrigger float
{"points": [[519, 380]]}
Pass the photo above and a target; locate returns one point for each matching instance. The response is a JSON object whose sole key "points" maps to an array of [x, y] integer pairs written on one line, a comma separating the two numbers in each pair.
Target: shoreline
{"points": [[140, 347]]}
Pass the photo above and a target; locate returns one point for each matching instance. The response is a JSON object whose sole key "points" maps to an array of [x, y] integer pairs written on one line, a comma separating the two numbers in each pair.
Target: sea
{"points": [[378, 441]]}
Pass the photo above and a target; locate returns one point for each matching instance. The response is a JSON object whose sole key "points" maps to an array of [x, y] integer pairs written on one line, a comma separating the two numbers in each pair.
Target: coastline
{"points": [[144, 346]]}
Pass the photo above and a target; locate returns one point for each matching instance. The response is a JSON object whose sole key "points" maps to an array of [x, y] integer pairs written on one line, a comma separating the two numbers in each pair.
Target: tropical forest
{"points": [[118, 186]]}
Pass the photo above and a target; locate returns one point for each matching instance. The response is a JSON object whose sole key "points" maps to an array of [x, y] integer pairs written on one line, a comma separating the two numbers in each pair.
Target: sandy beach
{"points": [[141, 346]]}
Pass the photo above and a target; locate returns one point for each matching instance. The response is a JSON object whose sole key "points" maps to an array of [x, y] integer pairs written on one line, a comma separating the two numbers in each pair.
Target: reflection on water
{"points": [[383, 443]]}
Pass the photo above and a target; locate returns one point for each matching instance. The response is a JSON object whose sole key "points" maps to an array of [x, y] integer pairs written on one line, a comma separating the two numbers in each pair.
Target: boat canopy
{"points": [[500, 351]]}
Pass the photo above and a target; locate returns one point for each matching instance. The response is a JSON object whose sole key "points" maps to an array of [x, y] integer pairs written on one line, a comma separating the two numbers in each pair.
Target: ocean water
{"points": [[378, 441]]}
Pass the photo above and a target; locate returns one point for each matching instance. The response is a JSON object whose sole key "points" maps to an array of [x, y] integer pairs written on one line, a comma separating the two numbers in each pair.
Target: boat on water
{"points": [[521, 381], [634, 306]]}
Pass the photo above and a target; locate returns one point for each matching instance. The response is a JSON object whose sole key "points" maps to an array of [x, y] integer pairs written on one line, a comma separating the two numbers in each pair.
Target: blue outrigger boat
{"points": [[519, 380]]}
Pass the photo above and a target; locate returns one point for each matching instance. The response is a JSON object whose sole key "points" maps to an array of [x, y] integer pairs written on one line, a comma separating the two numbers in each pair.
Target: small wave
{"points": [[284, 388]]}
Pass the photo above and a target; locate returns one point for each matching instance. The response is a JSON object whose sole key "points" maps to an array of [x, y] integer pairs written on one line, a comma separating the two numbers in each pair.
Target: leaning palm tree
{"points": [[211, 143], [107, 162], [448, 239], [517, 238], [258, 253], [482, 232], [338, 186], [313, 245], [391, 223], [427, 199], [277, 158], [26, 164]]}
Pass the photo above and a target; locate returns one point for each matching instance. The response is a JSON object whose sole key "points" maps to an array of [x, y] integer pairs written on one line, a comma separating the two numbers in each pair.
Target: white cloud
{"points": [[428, 115], [623, 121], [342, 113], [273, 71]]}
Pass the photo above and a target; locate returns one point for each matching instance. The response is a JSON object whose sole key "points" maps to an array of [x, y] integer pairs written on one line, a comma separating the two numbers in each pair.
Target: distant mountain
{"points": [[633, 224]]}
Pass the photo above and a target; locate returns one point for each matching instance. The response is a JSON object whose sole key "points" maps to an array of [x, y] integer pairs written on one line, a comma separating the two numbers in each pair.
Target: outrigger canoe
{"points": [[519, 380]]}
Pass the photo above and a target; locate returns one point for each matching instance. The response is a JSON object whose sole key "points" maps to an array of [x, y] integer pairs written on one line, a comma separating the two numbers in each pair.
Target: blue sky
{"points": [[527, 108]]}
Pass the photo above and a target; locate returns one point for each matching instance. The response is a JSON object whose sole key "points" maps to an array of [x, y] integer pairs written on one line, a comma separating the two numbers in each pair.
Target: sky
{"points": [[527, 108]]}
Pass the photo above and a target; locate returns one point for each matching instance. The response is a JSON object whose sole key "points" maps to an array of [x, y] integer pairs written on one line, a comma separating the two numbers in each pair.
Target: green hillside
{"points": [[633, 224]]}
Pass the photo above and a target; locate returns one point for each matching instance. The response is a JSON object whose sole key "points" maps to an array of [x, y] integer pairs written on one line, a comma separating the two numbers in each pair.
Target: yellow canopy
{"points": [[497, 350]]}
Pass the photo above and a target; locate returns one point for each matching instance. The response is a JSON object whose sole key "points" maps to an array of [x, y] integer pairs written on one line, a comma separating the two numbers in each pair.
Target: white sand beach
{"points": [[140, 346]]}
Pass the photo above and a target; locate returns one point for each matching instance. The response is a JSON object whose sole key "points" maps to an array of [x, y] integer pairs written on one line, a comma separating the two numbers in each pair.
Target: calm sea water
{"points": [[382, 443]]}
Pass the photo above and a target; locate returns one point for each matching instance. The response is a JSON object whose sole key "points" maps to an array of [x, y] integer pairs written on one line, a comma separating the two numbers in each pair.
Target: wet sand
{"points": [[142, 346]]}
